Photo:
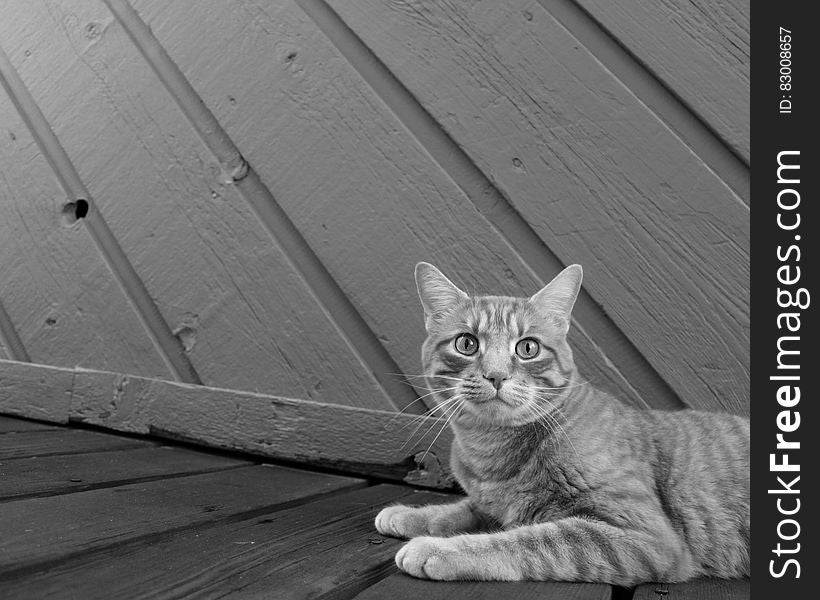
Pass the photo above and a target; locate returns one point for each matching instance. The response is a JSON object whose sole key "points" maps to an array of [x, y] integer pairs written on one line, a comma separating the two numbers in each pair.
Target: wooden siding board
{"points": [[663, 241], [44, 530], [365, 195], [327, 547], [66, 473], [59, 294], [699, 49], [243, 312], [404, 587]]}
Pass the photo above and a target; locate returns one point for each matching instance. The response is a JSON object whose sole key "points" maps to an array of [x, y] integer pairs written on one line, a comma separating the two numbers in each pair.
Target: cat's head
{"points": [[501, 360]]}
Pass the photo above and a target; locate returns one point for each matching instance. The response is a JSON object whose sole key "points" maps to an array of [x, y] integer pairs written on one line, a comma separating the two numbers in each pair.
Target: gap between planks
{"points": [[490, 202], [10, 338], [67, 473], [327, 293]]}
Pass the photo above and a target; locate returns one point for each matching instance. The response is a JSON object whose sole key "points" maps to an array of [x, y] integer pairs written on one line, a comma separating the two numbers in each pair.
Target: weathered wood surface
{"points": [[42, 530], [51, 475], [57, 291], [404, 587], [371, 442], [325, 548], [239, 307], [47, 443], [700, 589], [365, 194], [602, 180], [699, 49], [35, 391]]}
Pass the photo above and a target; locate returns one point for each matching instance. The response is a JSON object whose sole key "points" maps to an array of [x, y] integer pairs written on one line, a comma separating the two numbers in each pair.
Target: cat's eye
{"points": [[466, 344], [527, 348]]}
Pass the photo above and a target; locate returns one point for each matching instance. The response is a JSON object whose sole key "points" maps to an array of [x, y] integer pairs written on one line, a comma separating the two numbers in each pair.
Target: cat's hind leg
{"points": [[571, 549], [438, 520]]}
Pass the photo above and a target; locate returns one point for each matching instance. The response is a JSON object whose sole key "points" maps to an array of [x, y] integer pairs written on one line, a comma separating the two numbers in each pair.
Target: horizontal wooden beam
{"points": [[362, 441]]}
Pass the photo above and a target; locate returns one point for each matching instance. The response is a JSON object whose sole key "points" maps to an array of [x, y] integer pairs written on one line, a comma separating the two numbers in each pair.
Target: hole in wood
{"points": [[74, 211]]}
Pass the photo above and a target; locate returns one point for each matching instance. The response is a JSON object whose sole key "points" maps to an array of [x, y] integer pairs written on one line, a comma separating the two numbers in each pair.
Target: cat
{"points": [[563, 481]]}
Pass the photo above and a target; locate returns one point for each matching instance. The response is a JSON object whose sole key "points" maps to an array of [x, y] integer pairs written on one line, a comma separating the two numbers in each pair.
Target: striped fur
{"points": [[563, 481]]}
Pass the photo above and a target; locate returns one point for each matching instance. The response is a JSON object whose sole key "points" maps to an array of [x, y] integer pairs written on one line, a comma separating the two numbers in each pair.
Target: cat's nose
{"points": [[496, 378]]}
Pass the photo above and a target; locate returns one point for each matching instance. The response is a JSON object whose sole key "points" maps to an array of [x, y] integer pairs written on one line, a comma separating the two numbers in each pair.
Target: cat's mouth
{"points": [[497, 397]]}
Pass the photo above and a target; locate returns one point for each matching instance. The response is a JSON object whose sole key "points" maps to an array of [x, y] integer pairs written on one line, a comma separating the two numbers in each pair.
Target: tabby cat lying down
{"points": [[563, 481]]}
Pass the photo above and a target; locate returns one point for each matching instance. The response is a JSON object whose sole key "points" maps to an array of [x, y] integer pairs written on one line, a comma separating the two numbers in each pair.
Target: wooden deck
{"points": [[87, 514]]}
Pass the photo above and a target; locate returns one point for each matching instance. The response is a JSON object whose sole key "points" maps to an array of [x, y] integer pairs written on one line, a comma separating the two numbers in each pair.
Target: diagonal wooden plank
{"points": [[57, 290], [65, 473], [325, 548], [240, 308], [63, 441], [404, 587], [700, 50], [8, 425], [366, 196], [699, 589], [47, 530], [664, 241]]}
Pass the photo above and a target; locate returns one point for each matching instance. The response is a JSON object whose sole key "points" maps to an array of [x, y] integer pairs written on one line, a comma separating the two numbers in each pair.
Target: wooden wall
{"points": [[262, 177]]}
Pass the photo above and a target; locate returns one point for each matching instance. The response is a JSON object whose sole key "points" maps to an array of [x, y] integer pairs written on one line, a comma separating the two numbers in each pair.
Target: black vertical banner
{"points": [[785, 228]]}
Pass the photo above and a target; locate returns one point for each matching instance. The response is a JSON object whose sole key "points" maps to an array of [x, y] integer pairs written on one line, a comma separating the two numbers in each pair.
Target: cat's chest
{"points": [[503, 503], [521, 499]]}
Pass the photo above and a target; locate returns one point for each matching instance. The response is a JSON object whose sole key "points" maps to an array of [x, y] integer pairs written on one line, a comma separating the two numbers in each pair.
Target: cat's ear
{"points": [[437, 293], [558, 296]]}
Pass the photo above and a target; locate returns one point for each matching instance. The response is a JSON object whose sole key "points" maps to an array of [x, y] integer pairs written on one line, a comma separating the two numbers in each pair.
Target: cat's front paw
{"points": [[429, 558], [402, 521]]}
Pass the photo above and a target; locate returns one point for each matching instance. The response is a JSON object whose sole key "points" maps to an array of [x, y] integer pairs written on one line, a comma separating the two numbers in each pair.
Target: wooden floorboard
{"points": [[326, 548], [45, 530], [700, 589], [91, 515], [62, 441], [8, 425], [60, 474], [404, 587]]}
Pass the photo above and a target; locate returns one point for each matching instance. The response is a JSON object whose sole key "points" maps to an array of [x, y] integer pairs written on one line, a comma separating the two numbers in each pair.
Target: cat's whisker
{"points": [[413, 435], [429, 411], [562, 387], [449, 411], [425, 375], [422, 417], [557, 423], [538, 420], [446, 405], [416, 385], [443, 427]]}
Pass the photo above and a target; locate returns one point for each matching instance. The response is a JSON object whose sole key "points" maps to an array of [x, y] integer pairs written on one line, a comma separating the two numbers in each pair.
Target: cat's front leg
{"points": [[455, 558], [432, 520], [570, 549]]}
